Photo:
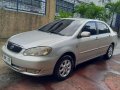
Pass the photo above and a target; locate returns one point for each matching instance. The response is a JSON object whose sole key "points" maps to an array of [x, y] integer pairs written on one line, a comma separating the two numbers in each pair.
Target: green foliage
{"points": [[90, 11], [81, 9], [98, 12], [63, 14], [112, 9], [94, 11]]}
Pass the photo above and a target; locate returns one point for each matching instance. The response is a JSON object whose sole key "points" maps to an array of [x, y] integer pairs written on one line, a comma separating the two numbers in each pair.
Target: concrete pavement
{"points": [[97, 74], [117, 48]]}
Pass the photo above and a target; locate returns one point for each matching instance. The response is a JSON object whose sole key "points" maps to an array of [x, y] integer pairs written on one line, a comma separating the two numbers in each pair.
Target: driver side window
{"points": [[90, 27]]}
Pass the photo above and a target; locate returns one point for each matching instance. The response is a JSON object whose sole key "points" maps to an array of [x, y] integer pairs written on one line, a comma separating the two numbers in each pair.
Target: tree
{"points": [[63, 14], [90, 11], [81, 9], [113, 8], [94, 12]]}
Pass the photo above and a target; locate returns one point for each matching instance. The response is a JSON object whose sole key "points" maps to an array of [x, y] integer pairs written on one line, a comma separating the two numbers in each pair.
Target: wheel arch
{"points": [[67, 53], [71, 54], [113, 44]]}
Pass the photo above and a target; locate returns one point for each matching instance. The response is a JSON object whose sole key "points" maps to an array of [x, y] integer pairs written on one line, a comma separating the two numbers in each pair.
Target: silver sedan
{"points": [[59, 46]]}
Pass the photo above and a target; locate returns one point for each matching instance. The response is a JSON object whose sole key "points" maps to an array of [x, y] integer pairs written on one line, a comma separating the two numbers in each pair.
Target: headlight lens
{"points": [[37, 51]]}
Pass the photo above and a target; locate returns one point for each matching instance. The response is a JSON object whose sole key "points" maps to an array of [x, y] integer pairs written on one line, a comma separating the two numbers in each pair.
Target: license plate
{"points": [[7, 59]]}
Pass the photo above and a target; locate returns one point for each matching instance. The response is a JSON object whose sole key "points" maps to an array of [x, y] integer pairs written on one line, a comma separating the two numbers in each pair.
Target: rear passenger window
{"points": [[102, 28], [90, 27]]}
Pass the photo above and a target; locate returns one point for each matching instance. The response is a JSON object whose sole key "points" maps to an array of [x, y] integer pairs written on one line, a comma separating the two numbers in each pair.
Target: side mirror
{"points": [[85, 34]]}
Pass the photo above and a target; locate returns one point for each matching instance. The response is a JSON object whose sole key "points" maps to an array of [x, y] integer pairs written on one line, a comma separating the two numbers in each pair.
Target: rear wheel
{"points": [[64, 67], [109, 53]]}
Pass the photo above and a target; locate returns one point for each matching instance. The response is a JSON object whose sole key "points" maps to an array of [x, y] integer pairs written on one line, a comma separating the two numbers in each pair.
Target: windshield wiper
{"points": [[56, 33]]}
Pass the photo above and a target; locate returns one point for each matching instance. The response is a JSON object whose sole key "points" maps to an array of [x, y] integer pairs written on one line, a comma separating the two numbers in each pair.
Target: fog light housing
{"points": [[33, 71]]}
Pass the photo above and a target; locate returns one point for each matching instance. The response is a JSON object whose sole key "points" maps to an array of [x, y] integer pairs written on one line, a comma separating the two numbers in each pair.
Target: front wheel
{"points": [[64, 67], [109, 53]]}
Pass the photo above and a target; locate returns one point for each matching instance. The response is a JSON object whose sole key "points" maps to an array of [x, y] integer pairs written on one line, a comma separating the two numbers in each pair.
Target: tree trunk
{"points": [[112, 20]]}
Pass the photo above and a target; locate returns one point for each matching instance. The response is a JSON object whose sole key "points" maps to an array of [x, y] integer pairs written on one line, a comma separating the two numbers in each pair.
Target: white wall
{"points": [[98, 2]]}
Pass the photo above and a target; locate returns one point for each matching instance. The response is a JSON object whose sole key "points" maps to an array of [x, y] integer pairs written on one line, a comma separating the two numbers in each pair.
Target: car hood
{"points": [[36, 38]]}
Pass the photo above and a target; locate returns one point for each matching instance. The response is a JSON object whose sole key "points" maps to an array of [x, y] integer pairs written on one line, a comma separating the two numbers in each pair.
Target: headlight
{"points": [[37, 51]]}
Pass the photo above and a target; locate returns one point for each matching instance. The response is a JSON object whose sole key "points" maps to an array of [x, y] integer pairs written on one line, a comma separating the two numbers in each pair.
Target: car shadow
{"points": [[98, 60]]}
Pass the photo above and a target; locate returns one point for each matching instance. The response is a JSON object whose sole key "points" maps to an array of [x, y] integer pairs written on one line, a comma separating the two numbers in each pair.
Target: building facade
{"points": [[65, 5], [18, 16], [24, 15]]}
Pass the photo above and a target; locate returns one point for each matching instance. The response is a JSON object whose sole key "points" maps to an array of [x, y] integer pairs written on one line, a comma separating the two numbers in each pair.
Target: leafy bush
{"points": [[63, 14]]}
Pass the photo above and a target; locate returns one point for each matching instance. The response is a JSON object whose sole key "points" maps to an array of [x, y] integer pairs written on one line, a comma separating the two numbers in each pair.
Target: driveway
{"points": [[97, 74]]}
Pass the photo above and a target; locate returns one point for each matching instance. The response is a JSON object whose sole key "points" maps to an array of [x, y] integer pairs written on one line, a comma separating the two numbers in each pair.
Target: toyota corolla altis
{"points": [[59, 46]]}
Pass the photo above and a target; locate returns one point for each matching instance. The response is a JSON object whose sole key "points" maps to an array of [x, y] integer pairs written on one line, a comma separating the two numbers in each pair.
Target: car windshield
{"points": [[63, 27]]}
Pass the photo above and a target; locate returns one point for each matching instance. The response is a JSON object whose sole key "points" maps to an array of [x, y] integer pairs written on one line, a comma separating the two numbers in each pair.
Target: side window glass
{"points": [[90, 27], [102, 28]]}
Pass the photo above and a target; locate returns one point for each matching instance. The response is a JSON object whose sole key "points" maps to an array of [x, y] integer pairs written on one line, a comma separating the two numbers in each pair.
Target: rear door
{"points": [[103, 38]]}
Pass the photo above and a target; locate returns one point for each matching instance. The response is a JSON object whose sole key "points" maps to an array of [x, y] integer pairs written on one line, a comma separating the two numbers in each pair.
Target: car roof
{"points": [[82, 19]]}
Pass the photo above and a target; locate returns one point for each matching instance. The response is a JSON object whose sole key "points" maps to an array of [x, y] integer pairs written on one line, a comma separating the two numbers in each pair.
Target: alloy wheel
{"points": [[65, 68]]}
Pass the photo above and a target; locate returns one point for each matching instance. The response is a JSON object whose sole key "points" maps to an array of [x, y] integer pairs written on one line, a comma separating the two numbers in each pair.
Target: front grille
{"points": [[13, 47]]}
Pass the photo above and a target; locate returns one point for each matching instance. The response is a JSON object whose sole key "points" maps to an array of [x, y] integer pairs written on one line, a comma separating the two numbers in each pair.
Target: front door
{"points": [[87, 46]]}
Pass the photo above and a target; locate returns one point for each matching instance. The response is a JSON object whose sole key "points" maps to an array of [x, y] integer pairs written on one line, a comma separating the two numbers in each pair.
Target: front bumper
{"points": [[30, 65]]}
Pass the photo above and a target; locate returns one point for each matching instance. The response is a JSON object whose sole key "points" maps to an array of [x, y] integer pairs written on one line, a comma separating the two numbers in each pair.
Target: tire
{"points": [[109, 53], [64, 68]]}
